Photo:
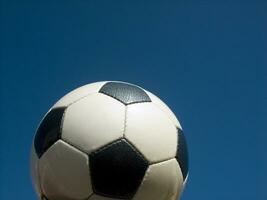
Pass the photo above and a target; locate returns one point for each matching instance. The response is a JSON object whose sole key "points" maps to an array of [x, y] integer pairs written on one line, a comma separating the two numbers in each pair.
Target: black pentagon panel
{"points": [[182, 153], [49, 131], [117, 170], [125, 93]]}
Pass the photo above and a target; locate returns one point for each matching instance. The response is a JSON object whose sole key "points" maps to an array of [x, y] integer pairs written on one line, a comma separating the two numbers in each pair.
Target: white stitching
{"points": [[125, 122]]}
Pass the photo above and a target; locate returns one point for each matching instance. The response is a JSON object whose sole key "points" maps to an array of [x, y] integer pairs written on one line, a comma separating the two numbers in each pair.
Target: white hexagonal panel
{"points": [[79, 93], [163, 181], [64, 173], [158, 102], [34, 161], [151, 132], [93, 122]]}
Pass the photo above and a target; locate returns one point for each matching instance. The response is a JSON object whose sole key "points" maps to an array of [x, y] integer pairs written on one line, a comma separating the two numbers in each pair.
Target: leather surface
{"points": [[151, 131], [182, 153], [162, 181], [97, 118], [125, 93], [64, 173], [93, 122], [79, 93], [49, 131], [161, 105], [117, 170]]}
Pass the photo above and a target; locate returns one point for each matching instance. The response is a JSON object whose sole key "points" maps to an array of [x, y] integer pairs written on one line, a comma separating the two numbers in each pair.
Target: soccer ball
{"points": [[109, 141]]}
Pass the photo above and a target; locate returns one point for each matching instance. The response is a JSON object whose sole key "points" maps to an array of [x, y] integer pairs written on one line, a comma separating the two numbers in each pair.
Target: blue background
{"points": [[205, 59]]}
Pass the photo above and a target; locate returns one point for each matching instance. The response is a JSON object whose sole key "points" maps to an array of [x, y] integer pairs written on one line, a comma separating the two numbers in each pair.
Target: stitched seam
{"points": [[125, 122], [126, 140], [107, 146], [145, 178], [73, 145], [87, 198], [61, 122], [136, 150], [141, 101], [81, 98], [76, 148], [165, 113], [164, 160], [172, 122], [90, 93], [118, 141], [112, 96]]}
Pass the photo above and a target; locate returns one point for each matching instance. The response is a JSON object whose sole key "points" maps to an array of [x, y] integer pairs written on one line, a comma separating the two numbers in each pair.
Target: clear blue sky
{"points": [[206, 59]]}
